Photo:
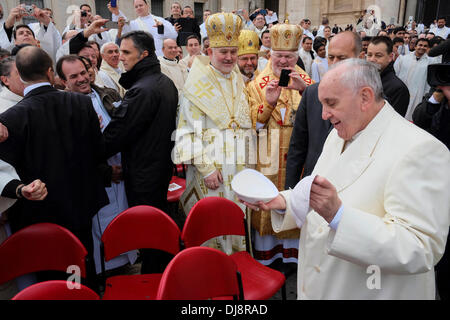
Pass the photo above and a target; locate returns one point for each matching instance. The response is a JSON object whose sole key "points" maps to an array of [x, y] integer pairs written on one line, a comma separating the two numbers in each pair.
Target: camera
{"points": [[438, 74], [83, 13], [29, 9]]}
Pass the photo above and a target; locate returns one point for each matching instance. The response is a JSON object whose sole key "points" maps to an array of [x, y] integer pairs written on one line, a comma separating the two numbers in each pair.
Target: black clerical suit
{"points": [[395, 90], [308, 136], [55, 136]]}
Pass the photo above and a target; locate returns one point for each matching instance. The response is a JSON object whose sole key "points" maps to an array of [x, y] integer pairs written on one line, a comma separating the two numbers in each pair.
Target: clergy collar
{"points": [[173, 60], [147, 16], [35, 86], [226, 76]]}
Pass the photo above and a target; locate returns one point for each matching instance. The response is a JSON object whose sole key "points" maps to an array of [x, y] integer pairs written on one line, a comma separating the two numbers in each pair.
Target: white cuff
{"points": [[337, 218], [433, 100]]}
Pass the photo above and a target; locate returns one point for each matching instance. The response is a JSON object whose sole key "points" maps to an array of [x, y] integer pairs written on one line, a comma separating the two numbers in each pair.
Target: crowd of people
{"points": [[93, 121]]}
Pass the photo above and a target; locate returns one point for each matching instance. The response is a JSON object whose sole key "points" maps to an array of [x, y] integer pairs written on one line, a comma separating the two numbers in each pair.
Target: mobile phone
{"points": [[284, 78], [161, 29], [113, 3], [83, 13], [240, 12], [263, 11], [112, 25]]}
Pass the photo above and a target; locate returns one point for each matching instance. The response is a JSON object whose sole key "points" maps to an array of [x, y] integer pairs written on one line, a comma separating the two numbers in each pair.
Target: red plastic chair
{"points": [[40, 247], [213, 216], [200, 273], [55, 290], [174, 196], [140, 227]]}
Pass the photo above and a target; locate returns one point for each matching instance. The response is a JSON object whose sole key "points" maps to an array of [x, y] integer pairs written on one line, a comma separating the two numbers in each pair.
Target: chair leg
{"points": [[283, 292]]}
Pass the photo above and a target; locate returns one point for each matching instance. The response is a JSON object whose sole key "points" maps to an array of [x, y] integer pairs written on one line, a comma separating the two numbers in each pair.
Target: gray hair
{"points": [[103, 48], [361, 73], [6, 66]]}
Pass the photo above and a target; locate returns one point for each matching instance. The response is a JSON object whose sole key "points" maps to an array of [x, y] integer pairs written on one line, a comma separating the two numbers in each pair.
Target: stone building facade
{"points": [[340, 12]]}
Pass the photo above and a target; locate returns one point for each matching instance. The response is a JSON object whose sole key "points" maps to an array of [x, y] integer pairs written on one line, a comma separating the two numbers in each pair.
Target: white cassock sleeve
{"points": [[7, 173], [410, 238], [50, 40]]}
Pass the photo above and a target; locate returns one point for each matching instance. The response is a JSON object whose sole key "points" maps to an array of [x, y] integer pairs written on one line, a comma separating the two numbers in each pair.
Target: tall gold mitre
{"points": [[248, 42], [223, 30], [285, 37]]}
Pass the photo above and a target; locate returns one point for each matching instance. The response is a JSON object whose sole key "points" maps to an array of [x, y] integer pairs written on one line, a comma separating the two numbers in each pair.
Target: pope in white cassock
{"points": [[379, 202], [214, 121], [146, 22]]}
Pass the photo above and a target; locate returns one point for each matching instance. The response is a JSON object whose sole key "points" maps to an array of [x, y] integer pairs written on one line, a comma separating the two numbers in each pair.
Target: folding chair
{"points": [[213, 216], [140, 227], [40, 247], [55, 290], [200, 273], [173, 197]]}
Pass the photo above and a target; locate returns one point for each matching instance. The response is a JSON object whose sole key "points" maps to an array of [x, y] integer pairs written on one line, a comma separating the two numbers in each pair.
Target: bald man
{"points": [[62, 145], [310, 130], [170, 65]]}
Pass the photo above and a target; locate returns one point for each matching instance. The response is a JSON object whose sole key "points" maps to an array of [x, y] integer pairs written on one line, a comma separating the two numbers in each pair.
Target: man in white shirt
{"points": [[306, 24], [265, 50], [324, 24], [194, 49], [441, 30], [170, 65], [206, 14], [1, 16], [12, 91], [43, 34], [158, 27], [412, 70], [258, 24], [307, 54], [320, 64], [111, 67]]}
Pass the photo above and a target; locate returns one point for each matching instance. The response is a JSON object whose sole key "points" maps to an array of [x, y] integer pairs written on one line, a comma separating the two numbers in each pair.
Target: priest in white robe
{"points": [[171, 67], [412, 70], [111, 67], [45, 34], [147, 22]]}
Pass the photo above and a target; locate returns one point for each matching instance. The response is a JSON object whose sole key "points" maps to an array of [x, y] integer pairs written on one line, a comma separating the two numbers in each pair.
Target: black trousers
{"points": [[91, 280], [153, 261], [443, 273]]}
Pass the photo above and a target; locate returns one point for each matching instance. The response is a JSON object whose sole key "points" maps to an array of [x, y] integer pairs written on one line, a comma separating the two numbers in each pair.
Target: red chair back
{"points": [[135, 228], [200, 273], [211, 217], [55, 290], [40, 247]]}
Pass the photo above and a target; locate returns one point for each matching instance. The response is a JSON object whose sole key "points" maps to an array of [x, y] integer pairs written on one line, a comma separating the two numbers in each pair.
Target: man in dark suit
{"points": [[54, 136], [310, 130], [142, 127], [380, 51]]}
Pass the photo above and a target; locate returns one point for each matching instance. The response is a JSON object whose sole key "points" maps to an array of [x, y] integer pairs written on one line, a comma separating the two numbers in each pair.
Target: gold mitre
{"points": [[248, 42], [285, 37], [223, 30]]}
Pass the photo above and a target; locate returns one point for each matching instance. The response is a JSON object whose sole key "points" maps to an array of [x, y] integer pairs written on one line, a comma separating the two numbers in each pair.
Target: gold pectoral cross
{"points": [[233, 124]]}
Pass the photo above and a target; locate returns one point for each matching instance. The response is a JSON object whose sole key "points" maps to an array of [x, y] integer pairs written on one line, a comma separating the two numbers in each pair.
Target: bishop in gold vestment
{"points": [[275, 124], [214, 123]]}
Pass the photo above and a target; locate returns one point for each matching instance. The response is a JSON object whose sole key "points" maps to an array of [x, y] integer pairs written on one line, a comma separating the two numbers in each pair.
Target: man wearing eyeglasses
{"points": [[306, 24]]}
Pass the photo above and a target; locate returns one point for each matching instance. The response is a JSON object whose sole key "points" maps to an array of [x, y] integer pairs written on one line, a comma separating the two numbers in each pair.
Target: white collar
{"points": [[226, 76], [35, 86]]}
